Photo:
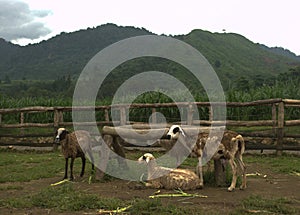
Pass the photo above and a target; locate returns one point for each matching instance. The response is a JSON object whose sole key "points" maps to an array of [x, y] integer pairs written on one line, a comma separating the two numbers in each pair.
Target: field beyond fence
{"points": [[266, 124]]}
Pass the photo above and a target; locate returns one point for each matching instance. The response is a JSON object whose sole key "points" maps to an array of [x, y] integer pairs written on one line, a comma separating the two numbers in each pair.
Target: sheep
{"points": [[74, 145], [162, 177], [231, 147]]}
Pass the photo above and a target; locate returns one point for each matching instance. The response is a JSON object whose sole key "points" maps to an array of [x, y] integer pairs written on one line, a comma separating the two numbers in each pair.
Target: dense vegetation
{"points": [[59, 93]]}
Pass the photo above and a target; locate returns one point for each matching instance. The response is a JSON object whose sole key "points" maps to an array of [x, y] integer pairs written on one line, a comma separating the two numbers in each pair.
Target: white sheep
{"points": [[231, 147], [74, 145], [162, 177]]}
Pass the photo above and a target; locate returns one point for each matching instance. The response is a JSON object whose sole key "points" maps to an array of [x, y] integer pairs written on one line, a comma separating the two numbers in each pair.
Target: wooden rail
{"points": [[277, 121]]}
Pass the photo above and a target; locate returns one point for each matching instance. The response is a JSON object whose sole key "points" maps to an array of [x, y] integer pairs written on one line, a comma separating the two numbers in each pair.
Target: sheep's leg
{"points": [[153, 184], [66, 168], [83, 159], [92, 160], [117, 146], [243, 168], [199, 171], [71, 169], [234, 175]]}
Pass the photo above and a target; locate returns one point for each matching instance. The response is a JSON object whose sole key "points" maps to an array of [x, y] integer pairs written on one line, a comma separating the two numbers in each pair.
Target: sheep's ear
{"points": [[181, 131], [63, 134], [146, 158]]}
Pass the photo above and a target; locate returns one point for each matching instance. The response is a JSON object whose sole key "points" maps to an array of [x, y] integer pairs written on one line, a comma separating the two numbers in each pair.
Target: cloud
{"points": [[17, 21]]}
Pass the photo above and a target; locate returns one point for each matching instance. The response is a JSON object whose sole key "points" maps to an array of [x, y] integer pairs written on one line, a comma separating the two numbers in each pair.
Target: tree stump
{"points": [[220, 173]]}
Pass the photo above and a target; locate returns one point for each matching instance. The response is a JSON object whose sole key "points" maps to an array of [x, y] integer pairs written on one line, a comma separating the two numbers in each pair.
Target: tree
{"points": [[217, 64], [7, 80], [242, 83]]}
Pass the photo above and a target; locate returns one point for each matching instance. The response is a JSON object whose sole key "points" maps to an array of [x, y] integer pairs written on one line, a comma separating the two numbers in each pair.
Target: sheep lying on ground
{"points": [[74, 145], [162, 177], [231, 147]]}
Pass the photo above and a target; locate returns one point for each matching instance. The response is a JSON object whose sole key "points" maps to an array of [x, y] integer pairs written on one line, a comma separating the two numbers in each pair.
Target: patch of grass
{"points": [[15, 203], [155, 206], [62, 198], [22, 166], [281, 164], [259, 205], [25, 166], [67, 198], [11, 187]]}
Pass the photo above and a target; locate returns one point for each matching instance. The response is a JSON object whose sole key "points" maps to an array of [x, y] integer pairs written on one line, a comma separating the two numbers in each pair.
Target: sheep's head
{"points": [[146, 158], [174, 132], [60, 134]]}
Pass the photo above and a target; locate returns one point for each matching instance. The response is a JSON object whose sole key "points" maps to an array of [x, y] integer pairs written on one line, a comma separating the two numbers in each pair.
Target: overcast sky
{"points": [[270, 22]]}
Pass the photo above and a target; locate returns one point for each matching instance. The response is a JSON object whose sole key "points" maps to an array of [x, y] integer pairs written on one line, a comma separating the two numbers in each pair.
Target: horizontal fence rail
{"points": [[54, 117]]}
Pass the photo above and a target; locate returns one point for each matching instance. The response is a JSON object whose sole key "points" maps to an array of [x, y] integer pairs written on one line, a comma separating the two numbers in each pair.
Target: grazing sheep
{"points": [[74, 145], [231, 147], [162, 177]]}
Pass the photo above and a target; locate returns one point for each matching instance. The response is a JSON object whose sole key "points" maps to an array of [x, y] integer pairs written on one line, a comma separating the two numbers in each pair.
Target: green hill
{"points": [[65, 54], [233, 56]]}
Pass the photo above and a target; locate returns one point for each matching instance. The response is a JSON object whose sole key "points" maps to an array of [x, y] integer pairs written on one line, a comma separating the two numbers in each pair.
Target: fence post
{"points": [[153, 116], [55, 119], [274, 119], [56, 124], [211, 113], [106, 115], [123, 115], [22, 122], [60, 116], [190, 112], [280, 128]]}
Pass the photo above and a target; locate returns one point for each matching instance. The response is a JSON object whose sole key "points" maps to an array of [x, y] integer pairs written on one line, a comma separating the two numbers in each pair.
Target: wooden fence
{"points": [[277, 122]]}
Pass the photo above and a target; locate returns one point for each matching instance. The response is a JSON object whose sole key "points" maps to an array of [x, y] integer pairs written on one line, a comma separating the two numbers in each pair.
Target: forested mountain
{"points": [[233, 56], [65, 54]]}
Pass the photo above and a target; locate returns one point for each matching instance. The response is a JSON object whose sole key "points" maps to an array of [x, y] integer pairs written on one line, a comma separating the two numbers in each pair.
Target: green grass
{"points": [[27, 166], [18, 166], [259, 205], [22, 166], [67, 198], [286, 164], [62, 198], [11, 187]]}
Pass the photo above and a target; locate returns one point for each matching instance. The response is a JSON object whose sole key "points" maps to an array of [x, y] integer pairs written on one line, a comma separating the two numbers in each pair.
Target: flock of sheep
{"points": [[231, 148]]}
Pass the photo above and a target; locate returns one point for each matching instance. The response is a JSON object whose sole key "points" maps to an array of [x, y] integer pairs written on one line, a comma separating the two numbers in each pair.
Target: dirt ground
{"points": [[272, 185]]}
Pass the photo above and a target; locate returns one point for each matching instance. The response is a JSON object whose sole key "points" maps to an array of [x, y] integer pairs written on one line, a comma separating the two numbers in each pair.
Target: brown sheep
{"points": [[231, 147], [74, 145], [162, 177]]}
